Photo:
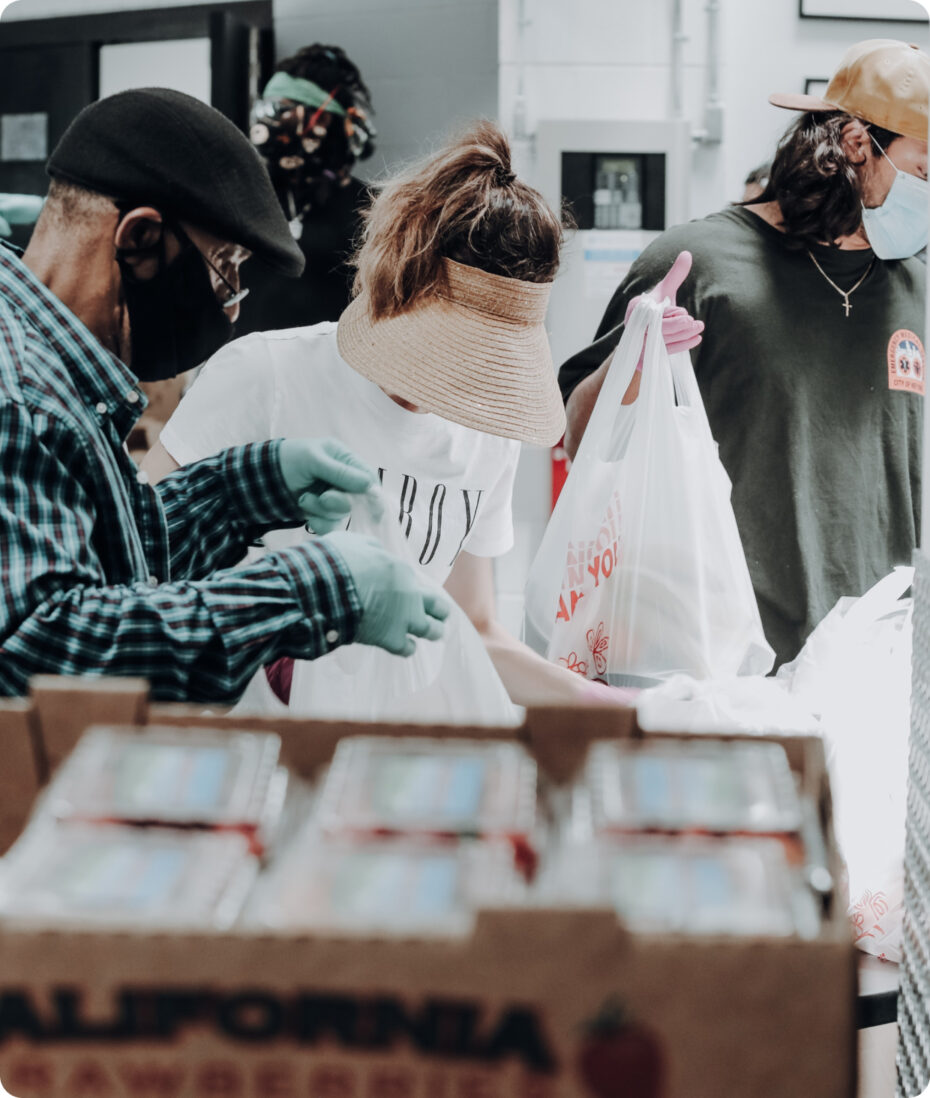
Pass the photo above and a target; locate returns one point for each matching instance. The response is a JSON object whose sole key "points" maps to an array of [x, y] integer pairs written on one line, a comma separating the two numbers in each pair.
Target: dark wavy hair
{"points": [[330, 67], [814, 182]]}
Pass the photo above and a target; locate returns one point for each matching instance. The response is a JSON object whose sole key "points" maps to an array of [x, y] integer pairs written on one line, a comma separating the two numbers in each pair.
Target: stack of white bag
{"points": [[449, 681], [851, 684], [641, 573], [854, 674]]}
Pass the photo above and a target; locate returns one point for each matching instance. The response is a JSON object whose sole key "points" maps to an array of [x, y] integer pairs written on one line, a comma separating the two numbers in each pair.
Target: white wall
{"points": [[430, 64], [601, 59], [608, 59]]}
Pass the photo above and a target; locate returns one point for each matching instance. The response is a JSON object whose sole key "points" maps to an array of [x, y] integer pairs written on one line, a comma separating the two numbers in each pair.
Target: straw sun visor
{"points": [[476, 353]]}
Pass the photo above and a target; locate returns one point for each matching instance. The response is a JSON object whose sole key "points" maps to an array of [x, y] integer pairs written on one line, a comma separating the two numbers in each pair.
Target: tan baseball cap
{"points": [[882, 81]]}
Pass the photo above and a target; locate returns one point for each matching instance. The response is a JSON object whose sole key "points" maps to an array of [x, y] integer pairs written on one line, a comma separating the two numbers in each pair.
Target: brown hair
{"points": [[814, 182], [464, 204]]}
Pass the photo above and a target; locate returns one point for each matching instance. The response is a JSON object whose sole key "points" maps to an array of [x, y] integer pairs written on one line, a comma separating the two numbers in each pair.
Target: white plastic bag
{"points": [[641, 573], [854, 673], [750, 704], [449, 681]]}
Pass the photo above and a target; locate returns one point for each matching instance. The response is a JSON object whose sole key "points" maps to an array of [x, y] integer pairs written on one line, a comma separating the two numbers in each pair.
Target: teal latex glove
{"points": [[322, 475], [396, 607]]}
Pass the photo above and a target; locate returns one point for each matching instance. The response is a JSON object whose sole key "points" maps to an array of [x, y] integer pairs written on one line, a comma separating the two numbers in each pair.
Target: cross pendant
{"points": [[846, 304]]}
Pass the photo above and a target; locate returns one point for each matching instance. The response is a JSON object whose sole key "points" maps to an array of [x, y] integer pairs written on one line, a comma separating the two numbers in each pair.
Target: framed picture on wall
{"points": [[815, 85], [905, 11]]}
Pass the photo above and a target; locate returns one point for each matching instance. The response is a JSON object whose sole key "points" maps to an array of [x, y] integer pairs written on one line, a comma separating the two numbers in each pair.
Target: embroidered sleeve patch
{"points": [[906, 363]]}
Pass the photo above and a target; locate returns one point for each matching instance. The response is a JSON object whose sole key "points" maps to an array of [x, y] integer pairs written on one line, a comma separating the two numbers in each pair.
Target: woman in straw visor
{"points": [[435, 373]]}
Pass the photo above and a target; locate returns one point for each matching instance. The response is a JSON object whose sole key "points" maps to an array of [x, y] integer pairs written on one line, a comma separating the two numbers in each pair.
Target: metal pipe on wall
{"points": [[712, 132], [713, 110], [519, 106], [523, 144], [678, 40]]}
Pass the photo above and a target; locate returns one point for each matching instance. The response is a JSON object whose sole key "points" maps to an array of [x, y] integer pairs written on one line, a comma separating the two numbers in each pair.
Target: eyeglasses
{"points": [[235, 296]]}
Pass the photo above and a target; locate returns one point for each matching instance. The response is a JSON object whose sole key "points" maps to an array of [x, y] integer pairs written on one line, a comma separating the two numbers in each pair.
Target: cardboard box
{"points": [[23, 769], [505, 1012]]}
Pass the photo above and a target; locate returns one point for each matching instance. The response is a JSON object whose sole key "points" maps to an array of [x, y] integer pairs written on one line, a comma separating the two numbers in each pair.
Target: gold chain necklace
{"points": [[844, 294]]}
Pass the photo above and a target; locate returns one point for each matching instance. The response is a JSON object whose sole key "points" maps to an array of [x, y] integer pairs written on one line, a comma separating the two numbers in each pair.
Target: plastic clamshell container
{"points": [[86, 874], [698, 785], [382, 887], [694, 885], [182, 777], [377, 785]]}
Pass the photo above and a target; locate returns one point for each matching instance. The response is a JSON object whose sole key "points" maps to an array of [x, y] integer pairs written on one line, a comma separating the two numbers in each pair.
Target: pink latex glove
{"points": [[680, 330]]}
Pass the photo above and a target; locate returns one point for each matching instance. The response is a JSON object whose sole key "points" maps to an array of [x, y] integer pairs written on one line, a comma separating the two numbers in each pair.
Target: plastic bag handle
{"points": [[369, 517], [609, 406], [686, 386], [665, 377]]}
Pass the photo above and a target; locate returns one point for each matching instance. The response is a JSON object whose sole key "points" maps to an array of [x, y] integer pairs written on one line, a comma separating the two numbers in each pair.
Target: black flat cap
{"points": [[165, 149]]}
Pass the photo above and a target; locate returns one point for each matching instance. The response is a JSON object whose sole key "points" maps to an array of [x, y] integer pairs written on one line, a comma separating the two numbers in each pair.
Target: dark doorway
{"points": [[41, 89], [49, 70]]}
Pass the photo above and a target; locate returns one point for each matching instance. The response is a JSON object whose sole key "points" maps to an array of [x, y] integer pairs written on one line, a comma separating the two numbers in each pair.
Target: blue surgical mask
{"points": [[898, 227]]}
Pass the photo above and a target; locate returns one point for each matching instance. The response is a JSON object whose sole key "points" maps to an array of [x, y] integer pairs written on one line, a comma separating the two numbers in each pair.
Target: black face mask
{"points": [[175, 319]]}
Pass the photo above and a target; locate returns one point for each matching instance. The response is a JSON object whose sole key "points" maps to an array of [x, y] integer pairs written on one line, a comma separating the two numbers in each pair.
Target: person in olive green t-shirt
{"points": [[812, 362]]}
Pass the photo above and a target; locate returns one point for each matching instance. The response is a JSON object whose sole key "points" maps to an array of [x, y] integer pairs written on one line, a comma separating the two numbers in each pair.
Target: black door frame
{"points": [[234, 31]]}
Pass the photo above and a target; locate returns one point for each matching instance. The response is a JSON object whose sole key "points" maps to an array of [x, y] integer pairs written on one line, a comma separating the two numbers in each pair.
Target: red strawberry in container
{"points": [[620, 1057]]}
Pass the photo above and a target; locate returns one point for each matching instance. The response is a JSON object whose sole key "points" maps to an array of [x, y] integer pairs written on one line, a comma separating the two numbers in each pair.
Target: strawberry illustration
{"points": [[620, 1057]]}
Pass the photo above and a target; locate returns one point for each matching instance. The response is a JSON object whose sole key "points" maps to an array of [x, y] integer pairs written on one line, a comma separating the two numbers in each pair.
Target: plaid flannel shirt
{"points": [[100, 573]]}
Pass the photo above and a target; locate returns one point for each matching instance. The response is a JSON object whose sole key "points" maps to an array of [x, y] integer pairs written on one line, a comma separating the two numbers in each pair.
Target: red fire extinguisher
{"points": [[560, 466]]}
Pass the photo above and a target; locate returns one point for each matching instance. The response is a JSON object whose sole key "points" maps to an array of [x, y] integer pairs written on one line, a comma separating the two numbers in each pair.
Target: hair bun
{"points": [[504, 175]]}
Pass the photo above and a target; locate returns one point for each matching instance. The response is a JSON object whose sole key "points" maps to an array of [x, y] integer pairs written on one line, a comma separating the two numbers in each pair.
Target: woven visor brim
{"points": [[482, 371]]}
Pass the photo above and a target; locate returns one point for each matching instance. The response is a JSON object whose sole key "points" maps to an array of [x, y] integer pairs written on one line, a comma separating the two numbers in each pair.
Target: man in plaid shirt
{"points": [[133, 273]]}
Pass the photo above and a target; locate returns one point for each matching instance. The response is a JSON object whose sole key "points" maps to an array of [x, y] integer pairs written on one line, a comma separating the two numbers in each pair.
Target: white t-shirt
{"points": [[450, 485]]}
